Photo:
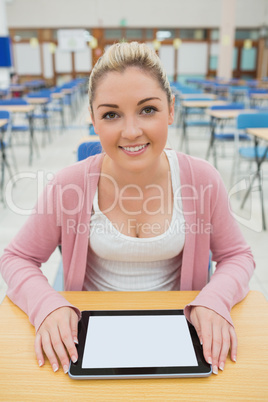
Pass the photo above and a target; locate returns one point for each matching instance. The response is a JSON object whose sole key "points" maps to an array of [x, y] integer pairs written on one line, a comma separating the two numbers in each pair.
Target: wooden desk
{"points": [[29, 110], [3, 122], [216, 117], [37, 101], [259, 132], [228, 114], [5, 163], [22, 380], [198, 95], [258, 99], [17, 108], [42, 103], [186, 106], [57, 95], [202, 104]]}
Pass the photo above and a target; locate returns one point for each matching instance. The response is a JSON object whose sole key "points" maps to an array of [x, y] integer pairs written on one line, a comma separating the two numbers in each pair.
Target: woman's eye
{"points": [[110, 116], [148, 110]]}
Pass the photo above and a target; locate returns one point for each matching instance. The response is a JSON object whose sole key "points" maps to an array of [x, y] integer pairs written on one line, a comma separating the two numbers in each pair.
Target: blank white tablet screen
{"points": [[138, 341]]}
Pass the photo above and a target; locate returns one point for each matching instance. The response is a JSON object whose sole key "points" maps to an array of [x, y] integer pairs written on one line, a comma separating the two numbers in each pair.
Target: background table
{"points": [[27, 109], [22, 380]]}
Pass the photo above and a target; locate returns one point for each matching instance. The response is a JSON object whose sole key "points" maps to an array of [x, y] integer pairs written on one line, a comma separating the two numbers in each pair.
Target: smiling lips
{"points": [[136, 149]]}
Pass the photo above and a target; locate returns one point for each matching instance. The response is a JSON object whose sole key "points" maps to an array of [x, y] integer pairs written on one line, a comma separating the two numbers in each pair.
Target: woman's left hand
{"points": [[216, 335]]}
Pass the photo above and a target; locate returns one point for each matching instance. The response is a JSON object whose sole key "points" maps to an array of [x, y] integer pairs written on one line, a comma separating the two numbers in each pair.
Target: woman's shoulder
{"points": [[77, 172], [196, 169]]}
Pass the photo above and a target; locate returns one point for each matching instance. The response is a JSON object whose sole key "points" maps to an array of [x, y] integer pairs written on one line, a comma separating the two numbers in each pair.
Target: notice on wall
{"points": [[71, 40]]}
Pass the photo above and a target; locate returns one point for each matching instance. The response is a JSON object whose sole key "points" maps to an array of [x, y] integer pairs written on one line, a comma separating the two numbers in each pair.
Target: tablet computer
{"points": [[137, 344]]}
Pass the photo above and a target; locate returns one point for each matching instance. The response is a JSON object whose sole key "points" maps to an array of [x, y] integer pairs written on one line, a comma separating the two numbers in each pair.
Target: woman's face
{"points": [[131, 115]]}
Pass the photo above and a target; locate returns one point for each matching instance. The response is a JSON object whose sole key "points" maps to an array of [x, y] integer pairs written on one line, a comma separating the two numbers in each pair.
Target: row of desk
{"points": [[216, 117], [21, 379]]}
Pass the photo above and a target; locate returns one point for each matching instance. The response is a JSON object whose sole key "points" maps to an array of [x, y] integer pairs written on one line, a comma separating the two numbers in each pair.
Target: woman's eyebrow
{"points": [[109, 105], [146, 100], [117, 107]]}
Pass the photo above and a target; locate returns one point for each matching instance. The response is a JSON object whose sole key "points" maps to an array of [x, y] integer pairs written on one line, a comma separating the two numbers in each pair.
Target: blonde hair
{"points": [[120, 56]]}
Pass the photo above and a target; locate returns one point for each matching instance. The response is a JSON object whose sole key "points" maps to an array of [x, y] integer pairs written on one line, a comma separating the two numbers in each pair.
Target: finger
{"points": [[206, 334], [233, 344], [226, 336], [74, 329], [49, 351], [216, 347], [38, 349], [68, 340], [59, 348]]}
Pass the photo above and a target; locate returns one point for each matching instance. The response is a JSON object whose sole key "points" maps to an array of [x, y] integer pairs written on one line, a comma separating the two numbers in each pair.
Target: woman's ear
{"points": [[171, 111]]}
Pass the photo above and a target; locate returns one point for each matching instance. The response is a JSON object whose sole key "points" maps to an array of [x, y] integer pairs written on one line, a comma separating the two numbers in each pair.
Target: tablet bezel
{"points": [[203, 369]]}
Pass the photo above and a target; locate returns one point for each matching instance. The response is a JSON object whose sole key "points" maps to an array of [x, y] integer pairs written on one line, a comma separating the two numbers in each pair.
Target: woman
{"points": [[136, 217]]}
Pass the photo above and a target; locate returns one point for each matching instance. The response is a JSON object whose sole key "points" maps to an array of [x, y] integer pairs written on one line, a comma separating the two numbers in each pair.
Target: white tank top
{"points": [[117, 262]]}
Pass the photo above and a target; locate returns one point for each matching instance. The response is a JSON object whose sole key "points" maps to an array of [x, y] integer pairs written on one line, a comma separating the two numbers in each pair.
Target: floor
{"points": [[22, 192]]}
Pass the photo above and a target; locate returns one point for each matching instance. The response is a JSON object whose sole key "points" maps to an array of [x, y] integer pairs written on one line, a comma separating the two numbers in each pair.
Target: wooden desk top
{"points": [[21, 379], [228, 114], [68, 90], [57, 95], [37, 101], [202, 104], [17, 108], [3, 122], [259, 96], [259, 132], [189, 96]]}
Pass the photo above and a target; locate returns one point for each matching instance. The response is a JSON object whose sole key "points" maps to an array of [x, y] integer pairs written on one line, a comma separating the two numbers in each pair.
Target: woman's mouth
{"points": [[137, 149]]}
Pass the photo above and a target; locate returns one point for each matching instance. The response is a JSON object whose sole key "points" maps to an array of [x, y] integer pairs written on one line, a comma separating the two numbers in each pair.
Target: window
{"points": [[133, 33], [249, 59], [215, 34], [149, 34], [193, 34], [247, 34], [113, 33], [164, 34], [25, 34]]}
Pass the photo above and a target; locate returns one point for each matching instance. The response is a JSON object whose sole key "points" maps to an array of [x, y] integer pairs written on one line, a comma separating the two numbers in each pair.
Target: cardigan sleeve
{"points": [[20, 264], [234, 261]]}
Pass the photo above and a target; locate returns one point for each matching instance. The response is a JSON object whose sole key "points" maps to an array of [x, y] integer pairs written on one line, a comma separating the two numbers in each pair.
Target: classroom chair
{"points": [[257, 154], [88, 148], [6, 143]]}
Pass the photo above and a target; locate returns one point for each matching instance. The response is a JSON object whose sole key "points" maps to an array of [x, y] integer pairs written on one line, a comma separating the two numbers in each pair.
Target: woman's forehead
{"points": [[132, 78]]}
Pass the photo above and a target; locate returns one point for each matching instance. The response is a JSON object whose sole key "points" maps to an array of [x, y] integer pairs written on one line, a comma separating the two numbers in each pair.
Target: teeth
{"points": [[134, 149]]}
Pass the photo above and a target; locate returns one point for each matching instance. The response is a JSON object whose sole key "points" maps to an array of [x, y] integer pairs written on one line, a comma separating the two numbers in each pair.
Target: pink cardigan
{"points": [[62, 216]]}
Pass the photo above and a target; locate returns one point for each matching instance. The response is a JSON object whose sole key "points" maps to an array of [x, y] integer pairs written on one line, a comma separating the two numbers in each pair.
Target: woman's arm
{"points": [[54, 318], [210, 311], [20, 263]]}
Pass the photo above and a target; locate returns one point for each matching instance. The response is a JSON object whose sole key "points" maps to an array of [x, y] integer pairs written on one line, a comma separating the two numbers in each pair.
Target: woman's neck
{"points": [[153, 174]]}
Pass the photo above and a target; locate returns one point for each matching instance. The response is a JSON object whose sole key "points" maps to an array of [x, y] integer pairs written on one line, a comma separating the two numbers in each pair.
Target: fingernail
{"points": [[234, 358], [221, 367], [40, 363], [74, 359], [215, 370], [55, 367], [75, 340], [209, 360], [201, 342], [65, 369]]}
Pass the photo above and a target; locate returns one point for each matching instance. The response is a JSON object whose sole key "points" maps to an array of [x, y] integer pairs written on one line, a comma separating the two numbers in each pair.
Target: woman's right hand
{"points": [[56, 337]]}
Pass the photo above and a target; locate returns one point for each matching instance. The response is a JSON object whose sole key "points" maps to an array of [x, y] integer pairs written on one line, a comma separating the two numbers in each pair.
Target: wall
{"points": [[138, 13]]}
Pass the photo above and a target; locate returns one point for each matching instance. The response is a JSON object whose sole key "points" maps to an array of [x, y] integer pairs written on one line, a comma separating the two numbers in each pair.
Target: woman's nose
{"points": [[131, 129]]}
